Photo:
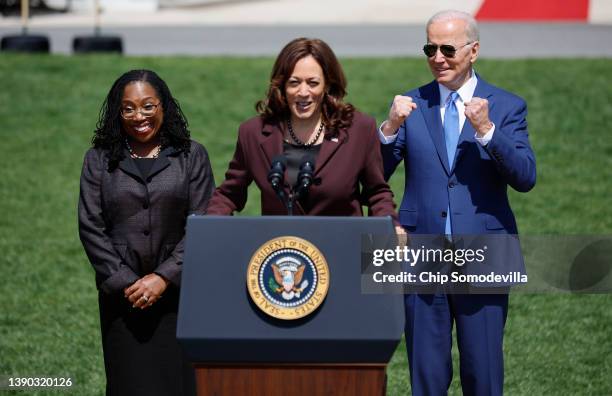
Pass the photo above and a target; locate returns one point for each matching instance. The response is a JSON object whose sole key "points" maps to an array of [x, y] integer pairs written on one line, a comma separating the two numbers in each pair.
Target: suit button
{"points": [[146, 232], [451, 184], [145, 205], [443, 214]]}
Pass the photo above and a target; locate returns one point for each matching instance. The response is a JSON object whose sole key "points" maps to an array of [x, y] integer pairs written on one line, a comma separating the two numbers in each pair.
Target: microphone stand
{"points": [[305, 178], [289, 205], [276, 177]]}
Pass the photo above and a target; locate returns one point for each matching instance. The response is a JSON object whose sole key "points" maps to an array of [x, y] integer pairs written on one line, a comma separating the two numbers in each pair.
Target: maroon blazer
{"points": [[348, 172]]}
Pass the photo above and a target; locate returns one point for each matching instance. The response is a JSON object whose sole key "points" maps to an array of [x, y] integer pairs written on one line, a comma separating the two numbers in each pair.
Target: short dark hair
{"points": [[109, 135], [336, 114]]}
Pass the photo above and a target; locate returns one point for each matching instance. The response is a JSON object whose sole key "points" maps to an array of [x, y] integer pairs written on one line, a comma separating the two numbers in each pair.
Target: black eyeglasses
{"points": [[447, 50], [148, 110]]}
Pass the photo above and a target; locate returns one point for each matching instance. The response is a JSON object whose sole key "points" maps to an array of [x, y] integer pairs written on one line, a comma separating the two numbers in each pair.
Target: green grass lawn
{"points": [[555, 344]]}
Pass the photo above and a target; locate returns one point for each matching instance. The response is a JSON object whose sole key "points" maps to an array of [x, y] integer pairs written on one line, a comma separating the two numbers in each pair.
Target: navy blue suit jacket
{"points": [[475, 188]]}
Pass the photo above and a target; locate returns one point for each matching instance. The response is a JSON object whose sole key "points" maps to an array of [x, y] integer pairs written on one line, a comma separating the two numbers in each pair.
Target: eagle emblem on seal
{"points": [[288, 273]]}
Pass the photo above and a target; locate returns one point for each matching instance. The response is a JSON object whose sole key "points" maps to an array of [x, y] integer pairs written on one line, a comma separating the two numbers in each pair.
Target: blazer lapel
{"points": [[431, 96], [467, 133], [162, 161], [128, 166], [271, 143], [328, 148]]}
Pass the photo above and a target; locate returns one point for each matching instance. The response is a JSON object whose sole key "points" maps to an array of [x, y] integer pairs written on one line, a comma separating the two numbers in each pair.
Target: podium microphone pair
{"points": [[276, 177]]}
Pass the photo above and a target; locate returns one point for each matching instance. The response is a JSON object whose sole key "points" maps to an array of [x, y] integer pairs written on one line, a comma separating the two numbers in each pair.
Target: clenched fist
{"points": [[400, 109], [477, 112]]}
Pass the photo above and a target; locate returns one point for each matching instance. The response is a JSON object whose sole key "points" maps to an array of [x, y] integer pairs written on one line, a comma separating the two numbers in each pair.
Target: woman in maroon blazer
{"points": [[304, 114]]}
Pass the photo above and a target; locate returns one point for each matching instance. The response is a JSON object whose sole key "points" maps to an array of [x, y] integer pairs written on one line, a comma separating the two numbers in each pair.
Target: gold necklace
{"points": [[134, 155]]}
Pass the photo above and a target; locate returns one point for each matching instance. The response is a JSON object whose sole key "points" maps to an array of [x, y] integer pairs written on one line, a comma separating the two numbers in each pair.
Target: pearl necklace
{"points": [[298, 141], [134, 155]]}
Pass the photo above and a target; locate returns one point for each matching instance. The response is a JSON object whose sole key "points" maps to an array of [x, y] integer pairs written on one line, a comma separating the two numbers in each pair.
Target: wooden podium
{"points": [[291, 379], [342, 348]]}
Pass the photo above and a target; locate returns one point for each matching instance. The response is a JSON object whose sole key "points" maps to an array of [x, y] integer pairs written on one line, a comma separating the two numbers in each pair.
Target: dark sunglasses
{"points": [[447, 50]]}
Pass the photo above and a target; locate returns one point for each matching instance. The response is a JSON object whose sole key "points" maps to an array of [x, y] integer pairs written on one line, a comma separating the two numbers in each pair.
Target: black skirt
{"points": [[141, 353]]}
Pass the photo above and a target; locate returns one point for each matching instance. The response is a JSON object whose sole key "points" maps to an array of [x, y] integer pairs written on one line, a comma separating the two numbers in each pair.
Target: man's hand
{"points": [[477, 112], [400, 109], [402, 236], [146, 291]]}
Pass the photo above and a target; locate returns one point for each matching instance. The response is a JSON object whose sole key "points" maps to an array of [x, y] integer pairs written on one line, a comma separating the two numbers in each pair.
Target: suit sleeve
{"points": [[510, 149], [393, 153], [376, 192], [106, 261], [231, 195], [201, 187]]}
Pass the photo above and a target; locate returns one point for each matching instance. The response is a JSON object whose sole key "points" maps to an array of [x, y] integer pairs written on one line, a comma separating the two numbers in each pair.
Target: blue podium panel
{"points": [[219, 323]]}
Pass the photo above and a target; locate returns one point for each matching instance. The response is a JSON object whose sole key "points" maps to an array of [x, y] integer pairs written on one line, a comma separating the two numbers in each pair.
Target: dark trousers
{"points": [[479, 320]]}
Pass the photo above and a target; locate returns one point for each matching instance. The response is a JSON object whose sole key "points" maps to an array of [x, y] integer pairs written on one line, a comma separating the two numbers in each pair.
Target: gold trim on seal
{"points": [[275, 310]]}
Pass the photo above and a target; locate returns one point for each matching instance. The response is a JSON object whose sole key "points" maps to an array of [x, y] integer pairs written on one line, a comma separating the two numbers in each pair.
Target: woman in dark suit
{"points": [[304, 114], [140, 180]]}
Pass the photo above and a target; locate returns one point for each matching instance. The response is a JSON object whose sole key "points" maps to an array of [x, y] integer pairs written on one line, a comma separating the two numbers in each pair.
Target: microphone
{"points": [[305, 175], [276, 174], [276, 177]]}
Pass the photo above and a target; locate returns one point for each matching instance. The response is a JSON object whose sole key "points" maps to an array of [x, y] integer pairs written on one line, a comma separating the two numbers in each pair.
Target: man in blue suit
{"points": [[463, 142]]}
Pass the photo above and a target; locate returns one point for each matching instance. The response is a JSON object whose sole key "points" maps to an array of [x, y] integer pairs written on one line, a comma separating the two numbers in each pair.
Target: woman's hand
{"points": [[146, 291]]}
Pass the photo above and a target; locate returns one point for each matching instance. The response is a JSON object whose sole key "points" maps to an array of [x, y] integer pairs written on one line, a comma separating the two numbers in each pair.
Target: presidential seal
{"points": [[288, 278]]}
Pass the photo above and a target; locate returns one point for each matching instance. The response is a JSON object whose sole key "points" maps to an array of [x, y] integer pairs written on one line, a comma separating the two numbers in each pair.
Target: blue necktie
{"points": [[451, 136], [451, 127]]}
